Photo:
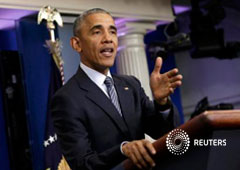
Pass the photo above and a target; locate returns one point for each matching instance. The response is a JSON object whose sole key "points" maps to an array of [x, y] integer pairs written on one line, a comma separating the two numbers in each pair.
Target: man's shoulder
{"points": [[68, 88]]}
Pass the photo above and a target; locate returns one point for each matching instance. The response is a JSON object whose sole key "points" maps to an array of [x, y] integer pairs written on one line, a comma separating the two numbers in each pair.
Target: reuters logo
{"points": [[177, 142]]}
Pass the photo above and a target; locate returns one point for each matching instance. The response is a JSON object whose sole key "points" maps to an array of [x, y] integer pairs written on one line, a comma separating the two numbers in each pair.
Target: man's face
{"points": [[98, 41]]}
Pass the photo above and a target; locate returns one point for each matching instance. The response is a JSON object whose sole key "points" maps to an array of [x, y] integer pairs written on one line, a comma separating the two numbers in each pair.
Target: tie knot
{"points": [[108, 81]]}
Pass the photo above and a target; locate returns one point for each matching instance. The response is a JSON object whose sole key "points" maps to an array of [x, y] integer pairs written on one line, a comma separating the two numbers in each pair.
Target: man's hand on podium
{"points": [[140, 152]]}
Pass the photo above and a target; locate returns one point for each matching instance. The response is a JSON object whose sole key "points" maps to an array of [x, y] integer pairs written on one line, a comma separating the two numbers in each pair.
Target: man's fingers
{"points": [[135, 161], [172, 73], [150, 149], [130, 151], [176, 84], [139, 155], [176, 78], [158, 65]]}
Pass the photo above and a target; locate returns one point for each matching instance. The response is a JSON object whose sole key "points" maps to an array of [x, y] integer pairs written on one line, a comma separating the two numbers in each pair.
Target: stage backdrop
{"points": [[7, 42], [4, 159]]}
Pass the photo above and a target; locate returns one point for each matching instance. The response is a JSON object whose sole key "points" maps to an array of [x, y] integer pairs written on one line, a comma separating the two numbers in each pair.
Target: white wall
{"points": [[70, 57], [217, 79]]}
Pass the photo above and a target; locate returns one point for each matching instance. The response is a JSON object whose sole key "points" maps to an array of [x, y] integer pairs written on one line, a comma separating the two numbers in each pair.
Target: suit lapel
{"points": [[96, 95], [126, 99]]}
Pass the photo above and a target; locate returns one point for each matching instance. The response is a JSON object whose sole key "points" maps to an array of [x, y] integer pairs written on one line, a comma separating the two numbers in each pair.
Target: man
{"points": [[100, 119]]}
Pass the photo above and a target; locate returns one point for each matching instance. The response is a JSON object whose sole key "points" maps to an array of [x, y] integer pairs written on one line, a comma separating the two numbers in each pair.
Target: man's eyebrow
{"points": [[100, 26], [113, 27], [96, 27]]}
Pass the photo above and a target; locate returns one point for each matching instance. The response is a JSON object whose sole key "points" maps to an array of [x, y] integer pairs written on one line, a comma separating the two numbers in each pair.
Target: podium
{"points": [[214, 125]]}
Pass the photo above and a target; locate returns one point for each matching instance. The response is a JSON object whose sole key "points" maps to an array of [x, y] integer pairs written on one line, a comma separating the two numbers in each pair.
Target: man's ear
{"points": [[76, 44]]}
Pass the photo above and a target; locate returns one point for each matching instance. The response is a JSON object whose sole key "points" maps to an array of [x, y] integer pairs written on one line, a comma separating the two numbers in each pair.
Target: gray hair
{"points": [[80, 19]]}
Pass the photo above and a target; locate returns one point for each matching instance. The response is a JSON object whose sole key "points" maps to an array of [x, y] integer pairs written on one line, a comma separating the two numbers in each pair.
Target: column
{"points": [[131, 58]]}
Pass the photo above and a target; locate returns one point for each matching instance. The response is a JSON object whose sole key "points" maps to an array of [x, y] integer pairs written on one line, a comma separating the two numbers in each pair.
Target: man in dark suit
{"points": [[100, 119]]}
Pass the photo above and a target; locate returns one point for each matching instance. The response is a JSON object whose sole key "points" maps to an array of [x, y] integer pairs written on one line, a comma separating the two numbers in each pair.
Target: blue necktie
{"points": [[112, 93]]}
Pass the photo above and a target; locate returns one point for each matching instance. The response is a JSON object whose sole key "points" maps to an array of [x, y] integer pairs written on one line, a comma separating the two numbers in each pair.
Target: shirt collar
{"points": [[97, 77]]}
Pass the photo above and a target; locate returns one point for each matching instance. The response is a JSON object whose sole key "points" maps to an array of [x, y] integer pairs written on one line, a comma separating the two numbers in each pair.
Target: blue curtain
{"points": [[8, 40], [36, 63]]}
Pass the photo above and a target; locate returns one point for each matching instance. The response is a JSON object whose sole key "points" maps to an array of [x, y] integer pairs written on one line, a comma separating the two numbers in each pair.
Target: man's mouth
{"points": [[107, 51]]}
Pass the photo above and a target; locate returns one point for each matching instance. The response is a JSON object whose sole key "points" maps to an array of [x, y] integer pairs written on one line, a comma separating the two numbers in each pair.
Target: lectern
{"points": [[208, 126]]}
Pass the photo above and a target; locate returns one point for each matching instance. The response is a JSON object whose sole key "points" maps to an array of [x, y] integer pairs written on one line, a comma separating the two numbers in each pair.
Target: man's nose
{"points": [[107, 38]]}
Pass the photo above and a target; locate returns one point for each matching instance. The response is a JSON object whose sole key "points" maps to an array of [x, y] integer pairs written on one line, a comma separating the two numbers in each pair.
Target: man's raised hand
{"points": [[162, 85]]}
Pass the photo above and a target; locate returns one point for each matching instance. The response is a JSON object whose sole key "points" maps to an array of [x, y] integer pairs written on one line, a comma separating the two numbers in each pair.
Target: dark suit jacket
{"points": [[89, 128]]}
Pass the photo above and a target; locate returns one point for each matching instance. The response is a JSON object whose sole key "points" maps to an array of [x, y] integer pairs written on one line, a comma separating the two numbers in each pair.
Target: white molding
{"points": [[130, 27], [148, 10]]}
